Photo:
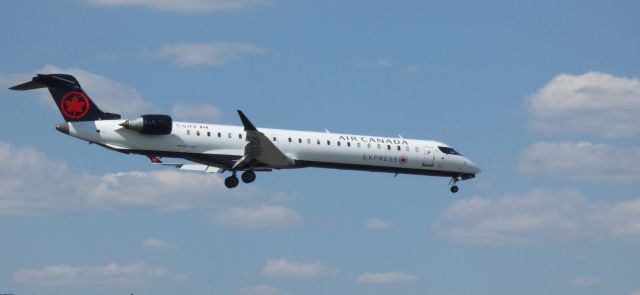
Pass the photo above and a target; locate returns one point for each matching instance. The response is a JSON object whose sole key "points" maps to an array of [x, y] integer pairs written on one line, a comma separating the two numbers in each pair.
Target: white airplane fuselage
{"points": [[221, 145], [246, 148]]}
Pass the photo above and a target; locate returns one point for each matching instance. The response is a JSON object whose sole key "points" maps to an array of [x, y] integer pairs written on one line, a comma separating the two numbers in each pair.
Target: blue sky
{"points": [[544, 96]]}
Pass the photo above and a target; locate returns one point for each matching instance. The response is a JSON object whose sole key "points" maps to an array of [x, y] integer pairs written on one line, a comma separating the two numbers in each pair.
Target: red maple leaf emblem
{"points": [[403, 159], [75, 105]]}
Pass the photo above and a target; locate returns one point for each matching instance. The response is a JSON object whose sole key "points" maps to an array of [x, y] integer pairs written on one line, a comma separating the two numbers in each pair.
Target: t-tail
{"points": [[74, 104]]}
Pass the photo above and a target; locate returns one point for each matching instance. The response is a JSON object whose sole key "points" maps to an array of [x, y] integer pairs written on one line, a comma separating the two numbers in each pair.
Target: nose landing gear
{"points": [[453, 182]]}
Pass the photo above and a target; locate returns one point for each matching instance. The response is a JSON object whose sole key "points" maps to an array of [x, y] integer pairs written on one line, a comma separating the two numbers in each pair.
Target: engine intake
{"points": [[150, 124]]}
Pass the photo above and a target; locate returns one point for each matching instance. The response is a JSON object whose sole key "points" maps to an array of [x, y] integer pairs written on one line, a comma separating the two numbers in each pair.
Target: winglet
{"points": [[248, 126]]}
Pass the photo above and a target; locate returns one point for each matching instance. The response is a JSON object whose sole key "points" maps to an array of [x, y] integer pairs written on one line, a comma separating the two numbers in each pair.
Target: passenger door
{"points": [[429, 156]]}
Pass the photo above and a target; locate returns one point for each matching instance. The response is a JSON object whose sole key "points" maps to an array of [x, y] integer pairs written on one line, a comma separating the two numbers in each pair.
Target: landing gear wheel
{"points": [[453, 182], [231, 181], [248, 176]]}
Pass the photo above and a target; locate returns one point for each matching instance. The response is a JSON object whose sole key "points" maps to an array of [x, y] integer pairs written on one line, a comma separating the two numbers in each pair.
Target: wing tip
{"points": [[248, 126]]}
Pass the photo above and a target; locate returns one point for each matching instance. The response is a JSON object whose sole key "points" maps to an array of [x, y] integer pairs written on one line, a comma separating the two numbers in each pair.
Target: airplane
{"points": [[247, 149]]}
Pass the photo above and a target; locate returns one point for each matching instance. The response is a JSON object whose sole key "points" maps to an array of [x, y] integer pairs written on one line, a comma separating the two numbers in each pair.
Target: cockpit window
{"points": [[448, 150]]}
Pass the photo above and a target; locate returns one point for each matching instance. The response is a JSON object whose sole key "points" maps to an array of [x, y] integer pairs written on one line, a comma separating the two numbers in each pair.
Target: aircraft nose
{"points": [[472, 168], [476, 169]]}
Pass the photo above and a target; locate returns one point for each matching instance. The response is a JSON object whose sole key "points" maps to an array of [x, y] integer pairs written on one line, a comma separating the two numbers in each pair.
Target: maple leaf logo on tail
{"points": [[74, 105]]}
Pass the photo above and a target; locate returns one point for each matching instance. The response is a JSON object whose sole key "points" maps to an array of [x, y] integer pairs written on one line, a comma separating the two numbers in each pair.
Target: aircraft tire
{"points": [[231, 181], [454, 189], [248, 176]]}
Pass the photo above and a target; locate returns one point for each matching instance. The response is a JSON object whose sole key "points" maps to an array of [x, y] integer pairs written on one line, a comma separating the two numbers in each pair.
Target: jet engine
{"points": [[150, 124]]}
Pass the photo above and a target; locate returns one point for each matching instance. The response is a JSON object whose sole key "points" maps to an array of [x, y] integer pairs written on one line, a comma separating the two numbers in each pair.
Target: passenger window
{"points": [[406, 148], [379, 146], [358, 144], [274, 138], [328, 142], [308, 141], [229, 134], [389, 147], [198, 133], [368, 145], [188, 132], [338, 143], [318, 141], [299, 140], [348, 144], [208, 133], [240, 135], [399, 147], [219, 134], [289, 139]]}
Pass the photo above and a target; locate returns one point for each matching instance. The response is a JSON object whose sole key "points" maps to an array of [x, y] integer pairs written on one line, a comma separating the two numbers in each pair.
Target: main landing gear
{"points": [[247, 177], [453, 182], [231, 181]]}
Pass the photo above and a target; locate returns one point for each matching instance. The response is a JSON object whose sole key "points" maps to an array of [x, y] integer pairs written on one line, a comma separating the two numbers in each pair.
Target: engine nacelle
{"points": [[150, 124]]}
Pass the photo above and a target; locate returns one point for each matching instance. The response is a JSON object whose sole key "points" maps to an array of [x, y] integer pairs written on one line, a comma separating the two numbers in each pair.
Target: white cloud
{"points": [[257, 216], [111, 96], [206, 54], [411, 69], [637, 292], [622, 219], [136, 274], [156, 244], [284, 197], [184, 6], [591, 103], [297, 270], [385, 278], [585, 281], [384, 62], [196, 112], [33, 184], [582, 161], [165, 190], [378, 224], [260, 290], [539, 216]]}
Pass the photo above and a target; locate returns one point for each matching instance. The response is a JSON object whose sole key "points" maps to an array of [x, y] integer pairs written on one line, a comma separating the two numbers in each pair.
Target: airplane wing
{"points": [[188, 166], [259, 151], [193, 167]]}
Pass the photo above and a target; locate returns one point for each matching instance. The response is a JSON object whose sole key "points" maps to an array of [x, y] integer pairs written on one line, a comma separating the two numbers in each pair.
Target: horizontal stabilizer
{"points": [[28, 86]]}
